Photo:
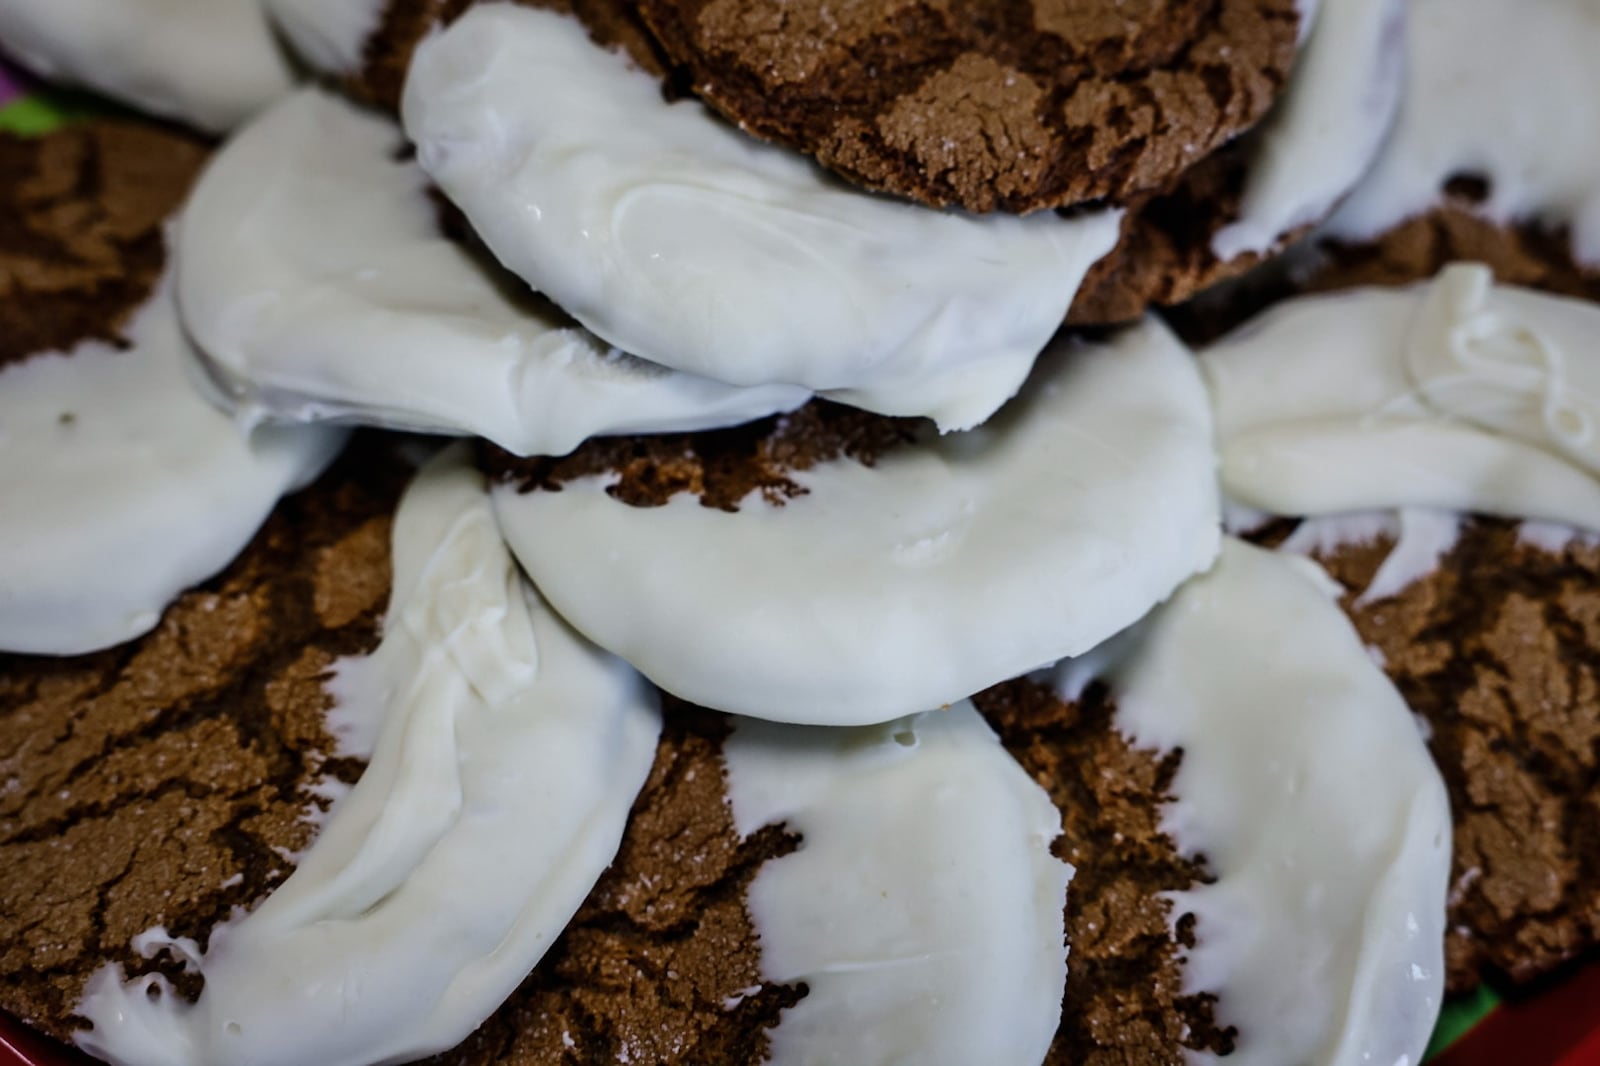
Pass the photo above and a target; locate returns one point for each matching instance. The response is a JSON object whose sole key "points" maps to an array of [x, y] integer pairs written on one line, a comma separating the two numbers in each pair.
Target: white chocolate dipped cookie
{"points": [[316, 278], [1306, 785], [831, 567], [123, 486], [503, 754], [677, 238], [208, 63]]}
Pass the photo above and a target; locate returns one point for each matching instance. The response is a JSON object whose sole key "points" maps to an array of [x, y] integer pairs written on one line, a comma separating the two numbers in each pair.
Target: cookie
{"points": [[772, 572], [1482, 622], [278, 252], [673, 236], [1476, 148], [1495, 648], [1035, 106], [207, 63], [125, 486], [504, 753]]}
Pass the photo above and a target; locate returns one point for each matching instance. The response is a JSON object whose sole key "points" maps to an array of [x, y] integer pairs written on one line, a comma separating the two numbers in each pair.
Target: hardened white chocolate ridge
{"points": [[314, 275], [1501, 90], [1457, 395], [1306, 785], [951, 564], [330, 35], [508, 754], [211, 63], [677, 237], [1326, 129], [923, 909], [122, 487]]}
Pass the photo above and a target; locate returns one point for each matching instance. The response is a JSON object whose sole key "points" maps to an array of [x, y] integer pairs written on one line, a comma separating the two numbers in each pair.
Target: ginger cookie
{"points": [[1015, 108], [930, 566], [168, 780]]}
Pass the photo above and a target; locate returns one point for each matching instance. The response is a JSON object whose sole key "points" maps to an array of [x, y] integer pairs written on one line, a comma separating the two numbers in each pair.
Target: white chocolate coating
{"points": [[1326, 129], [508, 752], [123, 487], [1306, 784], [676, 237], [210, 63], [330, 35], [1457, 395], [923, 908], [314, 274], [953, 563], [1506, 90]]}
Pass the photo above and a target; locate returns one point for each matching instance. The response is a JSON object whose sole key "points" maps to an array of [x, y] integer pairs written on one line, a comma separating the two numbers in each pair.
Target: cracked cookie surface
{"points": [[1012, 106]]}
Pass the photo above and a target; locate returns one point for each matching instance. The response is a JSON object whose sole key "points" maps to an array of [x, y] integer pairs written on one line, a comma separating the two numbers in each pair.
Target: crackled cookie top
{"points": [[1014, 108]]}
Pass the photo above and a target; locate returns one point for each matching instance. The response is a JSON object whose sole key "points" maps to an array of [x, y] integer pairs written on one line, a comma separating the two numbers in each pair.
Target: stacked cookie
{"points": [[836, 636]]}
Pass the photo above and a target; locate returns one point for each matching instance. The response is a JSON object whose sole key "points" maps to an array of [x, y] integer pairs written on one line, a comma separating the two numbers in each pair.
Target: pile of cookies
{"points": [[710, 531]]}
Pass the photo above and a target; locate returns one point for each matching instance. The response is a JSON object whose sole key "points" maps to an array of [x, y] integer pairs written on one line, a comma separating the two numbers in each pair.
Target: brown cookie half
{"points": [[81, 217], [1012, 106], [1498, 650]]}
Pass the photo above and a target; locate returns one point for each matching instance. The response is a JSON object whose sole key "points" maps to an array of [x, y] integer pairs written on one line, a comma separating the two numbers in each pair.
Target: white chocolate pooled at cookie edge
{"points": [[330, 35], [922, 909], [210, 63], [1457, 394], [1326, 129], [1505, 91], [677, 237], [506, 755], [122, 487], [953, 563], [314, 275], [1306, 785]]}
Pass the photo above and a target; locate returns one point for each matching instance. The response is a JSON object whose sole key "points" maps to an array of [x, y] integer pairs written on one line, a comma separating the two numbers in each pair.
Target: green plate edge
{"points": [[40, 112]]}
